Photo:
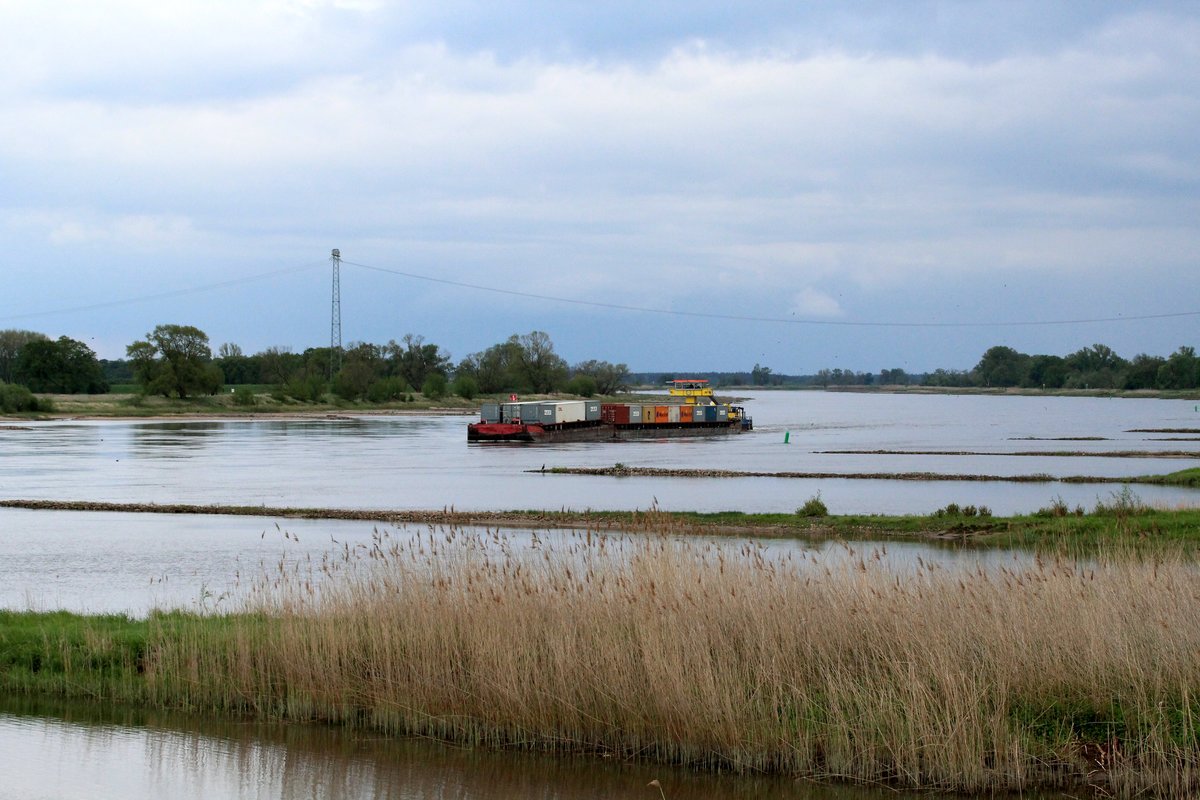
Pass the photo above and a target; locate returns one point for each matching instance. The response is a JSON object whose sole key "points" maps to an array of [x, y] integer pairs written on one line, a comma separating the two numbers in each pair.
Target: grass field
{"points": [[125, 401]]}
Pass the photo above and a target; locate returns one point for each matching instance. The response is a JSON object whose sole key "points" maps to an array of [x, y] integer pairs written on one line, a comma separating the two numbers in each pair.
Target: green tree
{"points": [[1096, 367], [540, 368], [414, 360], [1047, 372], [1181, 370], [947, 377], [582, 385], [12, 341], [434, 387], [1143, 372], [609, 378], [276, 365], [465, 387], [15, 399], [362, 366], [495, 369], [353, 380], [175, 359], [64, 366], [387, 389], [760, 375], [236, 367], [1001, 366]]}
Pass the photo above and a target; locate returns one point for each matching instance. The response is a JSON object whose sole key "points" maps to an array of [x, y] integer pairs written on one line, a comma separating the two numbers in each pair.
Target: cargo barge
{"points": [[590, 420]]}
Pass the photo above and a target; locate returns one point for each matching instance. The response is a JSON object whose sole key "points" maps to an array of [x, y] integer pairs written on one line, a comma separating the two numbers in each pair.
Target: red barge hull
{"points": [[596, 431]]}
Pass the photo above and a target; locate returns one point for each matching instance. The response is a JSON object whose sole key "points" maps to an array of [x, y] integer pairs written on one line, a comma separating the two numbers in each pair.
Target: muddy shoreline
{"points": [[621, 471]]}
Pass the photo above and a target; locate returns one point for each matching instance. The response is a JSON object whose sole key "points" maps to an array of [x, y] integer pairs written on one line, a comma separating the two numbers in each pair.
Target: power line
{"points": [[747, 318], [208, 287]]}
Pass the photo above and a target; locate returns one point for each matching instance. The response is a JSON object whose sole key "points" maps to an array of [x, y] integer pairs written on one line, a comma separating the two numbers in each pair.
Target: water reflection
{"points": [[173, 439], [62, 750]]}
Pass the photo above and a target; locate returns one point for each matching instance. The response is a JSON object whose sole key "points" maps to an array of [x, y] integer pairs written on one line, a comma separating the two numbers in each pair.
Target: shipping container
{"points": [[635, 415], [591, 410], [529, 412], [557, 412], [686, 413], [570, 411], [617, 413], [489, 412], [661, 414], [710, 413], [672, 413]]}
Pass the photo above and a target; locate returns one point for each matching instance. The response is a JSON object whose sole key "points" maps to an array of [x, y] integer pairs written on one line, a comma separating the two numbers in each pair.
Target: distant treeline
{"points": [[176, 360], [1095, 367]]}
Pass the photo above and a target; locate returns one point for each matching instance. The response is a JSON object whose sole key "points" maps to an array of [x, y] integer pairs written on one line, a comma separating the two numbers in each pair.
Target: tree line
{"points": [[177, 361], [1093, 367]]}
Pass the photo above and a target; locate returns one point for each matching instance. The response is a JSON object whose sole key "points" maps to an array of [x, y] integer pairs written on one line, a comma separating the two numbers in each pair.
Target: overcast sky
{"points": [[861, 185]]}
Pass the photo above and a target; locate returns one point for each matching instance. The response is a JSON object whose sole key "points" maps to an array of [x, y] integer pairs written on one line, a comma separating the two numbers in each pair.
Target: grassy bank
{"points": [[1120, 522], [1186, 477], [134, 405], [652, 648]]}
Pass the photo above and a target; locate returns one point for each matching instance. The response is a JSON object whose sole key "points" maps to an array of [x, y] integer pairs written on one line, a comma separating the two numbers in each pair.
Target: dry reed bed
{"points": [[659, 648]]}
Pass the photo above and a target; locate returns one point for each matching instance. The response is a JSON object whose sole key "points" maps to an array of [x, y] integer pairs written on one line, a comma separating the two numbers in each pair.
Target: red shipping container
{"points": [[615, 413]]}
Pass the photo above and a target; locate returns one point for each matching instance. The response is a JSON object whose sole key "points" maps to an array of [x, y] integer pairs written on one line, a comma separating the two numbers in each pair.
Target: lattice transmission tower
{"points": [[335, 324]]}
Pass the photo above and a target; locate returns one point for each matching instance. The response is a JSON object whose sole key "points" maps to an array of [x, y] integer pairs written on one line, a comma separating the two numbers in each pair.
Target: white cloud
{"points": [[810, 302], [269, 127], [151, 233]]}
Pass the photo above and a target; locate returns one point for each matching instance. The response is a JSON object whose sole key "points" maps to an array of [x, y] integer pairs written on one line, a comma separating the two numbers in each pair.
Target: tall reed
{"points": [[1052, 674]]}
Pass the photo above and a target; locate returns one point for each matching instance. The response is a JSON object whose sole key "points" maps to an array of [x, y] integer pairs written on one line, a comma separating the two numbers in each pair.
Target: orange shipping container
{"points": [[685, 413], [661, 414]]}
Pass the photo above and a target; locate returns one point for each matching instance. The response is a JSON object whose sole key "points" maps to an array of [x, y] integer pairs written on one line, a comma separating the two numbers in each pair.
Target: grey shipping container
{"points": [[489, 412], [592, 410], [635, 414], [530, 412]]}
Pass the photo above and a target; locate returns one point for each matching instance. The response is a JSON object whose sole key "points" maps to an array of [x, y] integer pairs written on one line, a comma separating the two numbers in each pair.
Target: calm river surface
{"points": [[134, 562], [424, 462], [66, 751]]}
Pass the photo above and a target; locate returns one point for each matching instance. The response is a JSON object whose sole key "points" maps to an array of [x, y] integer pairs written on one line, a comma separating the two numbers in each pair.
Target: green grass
{"points": [[67, 654], [126, 401], [1184, 477]]}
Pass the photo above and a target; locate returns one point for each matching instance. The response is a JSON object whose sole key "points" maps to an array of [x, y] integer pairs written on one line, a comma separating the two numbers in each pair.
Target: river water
{"points": [[424, 462], [77, 752], [134, 562]]}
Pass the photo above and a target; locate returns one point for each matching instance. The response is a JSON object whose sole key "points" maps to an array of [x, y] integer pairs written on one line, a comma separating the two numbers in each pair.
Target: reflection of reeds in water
{"points": [[659, 648]]}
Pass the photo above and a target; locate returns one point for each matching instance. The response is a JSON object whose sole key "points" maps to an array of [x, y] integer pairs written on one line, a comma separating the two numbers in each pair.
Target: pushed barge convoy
{"points": [[696, 414]]}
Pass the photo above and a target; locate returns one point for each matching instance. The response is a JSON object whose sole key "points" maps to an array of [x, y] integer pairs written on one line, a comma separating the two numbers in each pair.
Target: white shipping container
{"points": [[570, 411], [672, 413], [559, 411]]}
